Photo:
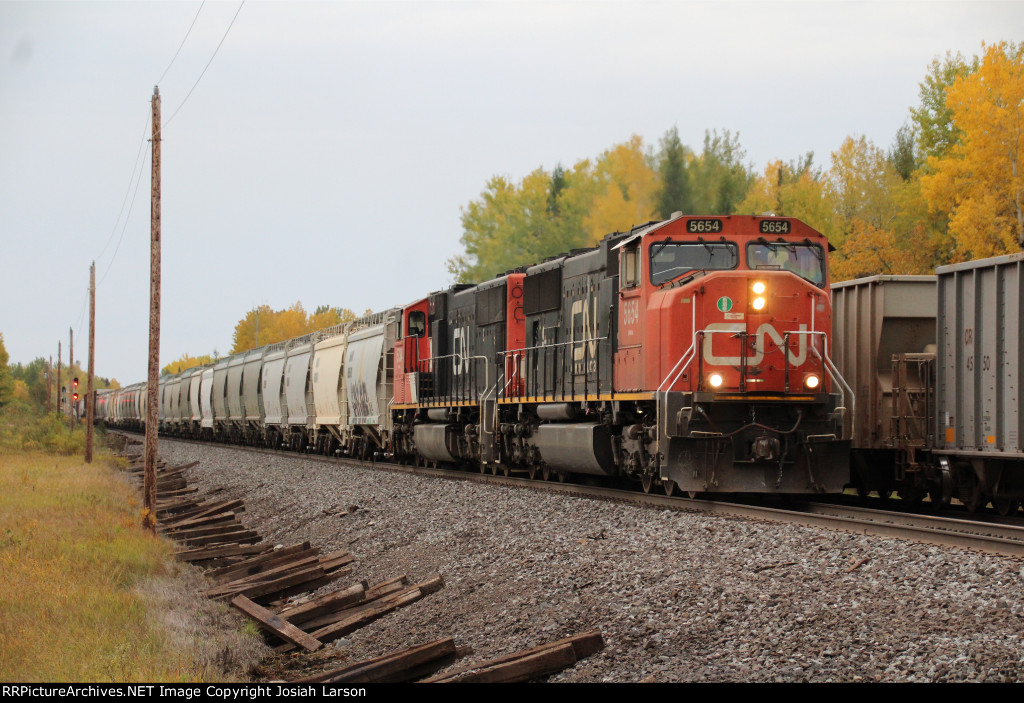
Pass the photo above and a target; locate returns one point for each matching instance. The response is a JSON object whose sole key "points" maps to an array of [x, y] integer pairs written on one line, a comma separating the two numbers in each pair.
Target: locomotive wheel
{"points": [[670, 486], [483, 468], [647, 482], [1005, 506], [505, 470]]}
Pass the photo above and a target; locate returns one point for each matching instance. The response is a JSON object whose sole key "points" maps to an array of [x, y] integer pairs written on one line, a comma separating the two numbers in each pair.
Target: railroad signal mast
{"points": [[71, 366], [90, 394]]}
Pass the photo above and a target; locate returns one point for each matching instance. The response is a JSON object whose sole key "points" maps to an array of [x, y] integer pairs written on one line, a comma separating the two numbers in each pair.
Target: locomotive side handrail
{"points": [[524, 352]]}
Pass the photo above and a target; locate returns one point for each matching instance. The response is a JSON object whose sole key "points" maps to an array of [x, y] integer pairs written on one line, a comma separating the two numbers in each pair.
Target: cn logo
{"points": [[721, 329]]}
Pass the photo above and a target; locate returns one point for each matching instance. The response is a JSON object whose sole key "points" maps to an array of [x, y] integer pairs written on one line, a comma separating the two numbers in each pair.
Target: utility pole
{"points": [[153, 393], [49, 382], [71, 372], [90, 398]]}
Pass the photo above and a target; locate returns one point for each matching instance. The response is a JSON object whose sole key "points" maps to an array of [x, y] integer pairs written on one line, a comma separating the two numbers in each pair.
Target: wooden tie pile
{"points": [[262, 582]]}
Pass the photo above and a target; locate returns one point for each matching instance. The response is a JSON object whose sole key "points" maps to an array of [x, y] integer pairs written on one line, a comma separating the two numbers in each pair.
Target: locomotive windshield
{"points": [[672, 259], [805, 260]]}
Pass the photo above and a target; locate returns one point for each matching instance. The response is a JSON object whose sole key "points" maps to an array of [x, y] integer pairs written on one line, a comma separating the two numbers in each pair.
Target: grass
{"points": [[77, 575], [24, 428]]}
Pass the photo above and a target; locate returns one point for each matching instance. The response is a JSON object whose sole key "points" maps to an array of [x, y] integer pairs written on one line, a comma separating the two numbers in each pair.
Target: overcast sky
{"points": [[327, 151]]}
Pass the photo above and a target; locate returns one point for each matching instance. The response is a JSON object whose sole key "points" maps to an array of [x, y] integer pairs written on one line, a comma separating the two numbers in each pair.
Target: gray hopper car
{"points": [[935, 362]]}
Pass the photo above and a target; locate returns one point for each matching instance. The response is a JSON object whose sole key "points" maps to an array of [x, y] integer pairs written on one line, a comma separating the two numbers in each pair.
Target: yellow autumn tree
{"points": [[980, 180], [264, 325], [626, 192], [186, 362], [791, 190], [880, 223]]}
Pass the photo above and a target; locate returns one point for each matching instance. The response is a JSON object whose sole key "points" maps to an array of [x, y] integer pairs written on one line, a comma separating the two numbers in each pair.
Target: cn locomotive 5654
{"points": [[691, 354]]}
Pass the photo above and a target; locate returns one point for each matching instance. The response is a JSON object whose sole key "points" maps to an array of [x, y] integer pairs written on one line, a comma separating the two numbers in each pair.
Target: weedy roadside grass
{"points": [[87, 595], [24, 428]]}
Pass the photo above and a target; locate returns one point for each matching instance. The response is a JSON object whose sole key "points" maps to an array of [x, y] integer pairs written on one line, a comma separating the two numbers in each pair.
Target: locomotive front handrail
{"points": [[688, 352], [827, 364], [833, 372]]}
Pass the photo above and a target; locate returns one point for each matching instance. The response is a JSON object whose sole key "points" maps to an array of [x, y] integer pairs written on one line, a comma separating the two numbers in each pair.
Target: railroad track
{"points": [[984, 536]]}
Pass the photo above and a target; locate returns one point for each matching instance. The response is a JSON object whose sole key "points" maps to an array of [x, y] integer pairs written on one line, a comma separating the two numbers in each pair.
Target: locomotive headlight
{"points": [[812, 381], [715, 380], [759, 303], [759, 288]]}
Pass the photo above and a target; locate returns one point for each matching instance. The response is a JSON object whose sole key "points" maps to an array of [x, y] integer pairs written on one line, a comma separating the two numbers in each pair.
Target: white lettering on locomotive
{"points": [[460, 345], [719, 328], [583, 308]]}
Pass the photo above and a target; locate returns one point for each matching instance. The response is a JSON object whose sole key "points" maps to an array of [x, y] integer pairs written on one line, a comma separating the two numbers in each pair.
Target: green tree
{"points": [[674, 191], [33, 375], [512, 225], [719, 178], [6, 380], [936, 133], [903, 152]]}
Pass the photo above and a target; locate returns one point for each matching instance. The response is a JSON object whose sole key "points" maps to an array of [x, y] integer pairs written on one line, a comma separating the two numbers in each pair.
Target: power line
{"points": [[81, 315], [204, 69], [136, 171], [126, 218], [182, 43], [113, 231]]}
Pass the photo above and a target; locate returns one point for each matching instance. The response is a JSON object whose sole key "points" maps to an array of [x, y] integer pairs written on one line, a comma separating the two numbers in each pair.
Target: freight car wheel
{"points": [[531, 471], [971, 494], [941, 489], [1005, 506], [670, 487], [545, 473]]}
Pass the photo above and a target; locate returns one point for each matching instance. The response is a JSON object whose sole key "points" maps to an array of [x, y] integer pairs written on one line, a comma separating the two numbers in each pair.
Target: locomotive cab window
{"points": [[670, 260], [417, 326], [630, 272], [805, 260]]}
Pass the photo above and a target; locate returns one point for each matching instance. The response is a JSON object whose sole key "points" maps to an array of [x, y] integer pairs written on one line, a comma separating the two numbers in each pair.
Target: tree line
{"points": [[35, 383], [263, 325], [950, 186]]}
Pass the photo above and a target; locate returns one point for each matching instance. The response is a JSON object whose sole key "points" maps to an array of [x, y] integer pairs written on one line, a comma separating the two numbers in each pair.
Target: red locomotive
{"points": [[689, 353]]}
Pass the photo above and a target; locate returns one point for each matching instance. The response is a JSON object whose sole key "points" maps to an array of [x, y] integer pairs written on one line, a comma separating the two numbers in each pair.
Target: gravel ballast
{"points": [[678, 596]]}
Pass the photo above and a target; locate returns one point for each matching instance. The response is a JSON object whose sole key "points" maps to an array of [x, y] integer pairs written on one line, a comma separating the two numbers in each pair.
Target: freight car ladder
{"points": [[913, 408]]}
